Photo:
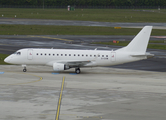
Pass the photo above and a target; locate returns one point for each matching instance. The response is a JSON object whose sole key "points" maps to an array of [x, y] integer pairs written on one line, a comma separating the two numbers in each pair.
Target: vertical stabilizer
{"points": [[140, 42]]}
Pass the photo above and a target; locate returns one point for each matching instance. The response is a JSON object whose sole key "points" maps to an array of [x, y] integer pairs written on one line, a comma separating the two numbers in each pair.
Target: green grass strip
{"points": [[103, 15], [69, 30], [157, 46]]}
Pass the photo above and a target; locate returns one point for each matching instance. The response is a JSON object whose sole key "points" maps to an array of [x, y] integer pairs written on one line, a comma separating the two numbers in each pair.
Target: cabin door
{"points": [[113, 56], [30, 54]]}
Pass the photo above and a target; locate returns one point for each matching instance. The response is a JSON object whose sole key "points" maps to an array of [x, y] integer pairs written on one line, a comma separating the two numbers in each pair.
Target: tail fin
{"points": [[140, 42]]}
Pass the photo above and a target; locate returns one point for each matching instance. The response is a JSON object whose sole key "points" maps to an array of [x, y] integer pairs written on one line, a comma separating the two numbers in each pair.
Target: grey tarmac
{"points": [[19, 21], [97, 93]]}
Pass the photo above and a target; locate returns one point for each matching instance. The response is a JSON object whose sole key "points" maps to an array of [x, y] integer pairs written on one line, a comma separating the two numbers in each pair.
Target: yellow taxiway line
{"points": [[60, 99]]}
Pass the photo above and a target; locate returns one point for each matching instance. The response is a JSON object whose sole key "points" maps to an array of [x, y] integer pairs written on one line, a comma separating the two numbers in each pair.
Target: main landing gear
{"points": [[77, 71], [24, 70]]}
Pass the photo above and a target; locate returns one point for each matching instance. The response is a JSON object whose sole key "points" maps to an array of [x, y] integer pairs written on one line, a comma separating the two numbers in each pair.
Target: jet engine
{"points": [[60, 67]]}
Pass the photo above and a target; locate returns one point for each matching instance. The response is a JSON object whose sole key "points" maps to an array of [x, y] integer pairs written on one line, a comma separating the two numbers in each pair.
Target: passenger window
{"points": [[102, 55], [106, 55], [41, 54], [94, 55], [69, 54], [61, 54], [82, 55], [53, 54], [57, 54], [49, 54], [98, 55], [45, 54], [74, 55], [90, 55], [78, 55], [65, 54], [37, 54], [86, 55]]}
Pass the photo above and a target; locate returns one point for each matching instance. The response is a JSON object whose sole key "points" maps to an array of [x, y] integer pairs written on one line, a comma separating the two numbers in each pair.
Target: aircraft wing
{"points": [[71, 63], [76, 63]]}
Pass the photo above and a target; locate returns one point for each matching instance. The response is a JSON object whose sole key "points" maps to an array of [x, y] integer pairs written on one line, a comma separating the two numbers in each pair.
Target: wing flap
{"points": [[71, 63], [77, 63]]}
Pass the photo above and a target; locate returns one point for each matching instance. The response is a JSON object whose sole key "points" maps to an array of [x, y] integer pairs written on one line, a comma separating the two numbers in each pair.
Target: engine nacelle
{"points": [[60, 67]]}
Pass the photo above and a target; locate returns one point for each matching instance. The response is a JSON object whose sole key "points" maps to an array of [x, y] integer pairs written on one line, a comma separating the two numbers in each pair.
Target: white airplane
{"points": [[63, 59]]}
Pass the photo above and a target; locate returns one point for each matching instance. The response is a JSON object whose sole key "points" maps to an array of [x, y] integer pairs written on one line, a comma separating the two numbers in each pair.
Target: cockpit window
{"points": [[17, 53]]}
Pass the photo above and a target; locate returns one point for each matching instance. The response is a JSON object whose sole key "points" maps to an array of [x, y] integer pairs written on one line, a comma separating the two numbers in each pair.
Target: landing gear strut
{"points": [[77, 71], [24, 70]]}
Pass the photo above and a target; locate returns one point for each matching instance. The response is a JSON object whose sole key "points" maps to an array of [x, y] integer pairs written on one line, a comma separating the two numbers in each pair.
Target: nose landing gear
{"points": [[24, 70]]}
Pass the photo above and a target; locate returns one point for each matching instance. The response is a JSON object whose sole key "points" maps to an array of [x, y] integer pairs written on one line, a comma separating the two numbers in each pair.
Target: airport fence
{"points": [[83, 7]]}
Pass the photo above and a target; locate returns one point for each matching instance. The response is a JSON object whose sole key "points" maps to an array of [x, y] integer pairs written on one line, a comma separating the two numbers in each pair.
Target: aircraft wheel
{"points": [[24, 70], [77, 71]]}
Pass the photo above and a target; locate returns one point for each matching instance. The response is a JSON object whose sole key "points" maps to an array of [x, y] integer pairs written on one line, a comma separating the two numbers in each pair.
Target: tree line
{"points": [[85, 2]]}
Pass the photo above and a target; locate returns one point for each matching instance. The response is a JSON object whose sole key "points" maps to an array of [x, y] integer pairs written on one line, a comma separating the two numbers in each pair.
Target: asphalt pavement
{"points": [[18, 21]]}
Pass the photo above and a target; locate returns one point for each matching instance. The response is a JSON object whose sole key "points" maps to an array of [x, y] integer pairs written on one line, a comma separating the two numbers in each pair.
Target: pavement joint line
{"points": [[52, 38], [89, 117], [74, 115], [60, 99], [62, 114], [26, 82]]}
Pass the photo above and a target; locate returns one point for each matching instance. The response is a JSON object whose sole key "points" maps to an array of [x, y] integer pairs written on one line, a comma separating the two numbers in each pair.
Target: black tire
{"points": [[24, 70], [77, 71]]}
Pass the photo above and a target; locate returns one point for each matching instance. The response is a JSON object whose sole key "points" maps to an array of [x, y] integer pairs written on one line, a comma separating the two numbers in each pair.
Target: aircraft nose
{"points": [[7, 60]]}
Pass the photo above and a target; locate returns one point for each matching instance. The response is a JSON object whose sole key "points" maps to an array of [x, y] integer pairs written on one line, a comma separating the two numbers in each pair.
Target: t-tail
{"points": [[137, 47]]}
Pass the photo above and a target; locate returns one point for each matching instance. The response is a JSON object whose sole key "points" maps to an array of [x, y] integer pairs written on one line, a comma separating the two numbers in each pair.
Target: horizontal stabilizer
{"points": [[148, 55]]}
